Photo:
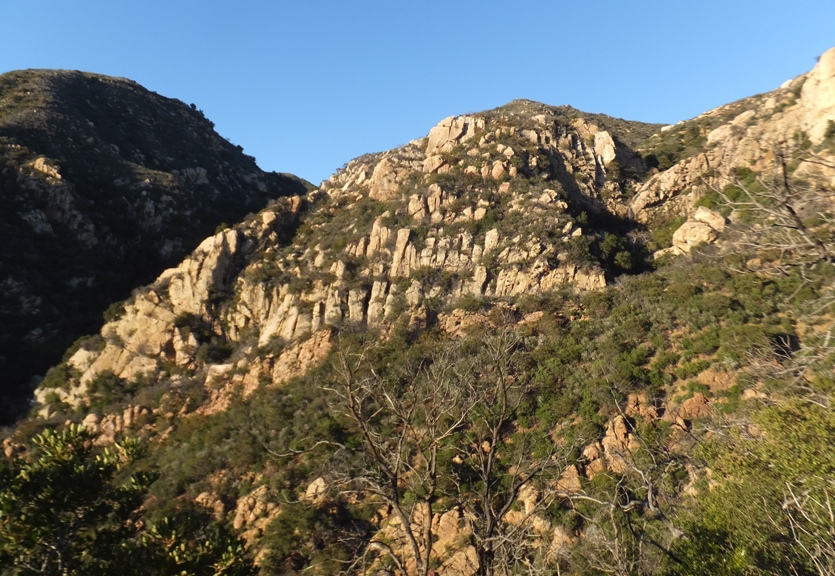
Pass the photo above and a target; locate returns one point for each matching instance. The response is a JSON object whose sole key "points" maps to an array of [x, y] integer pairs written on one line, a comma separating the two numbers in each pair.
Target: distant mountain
{"points": [[102, 185]]}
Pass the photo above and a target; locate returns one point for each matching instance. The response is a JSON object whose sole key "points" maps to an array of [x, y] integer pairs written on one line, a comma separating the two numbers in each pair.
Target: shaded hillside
{"points": [[102, 185], [519, 345]]}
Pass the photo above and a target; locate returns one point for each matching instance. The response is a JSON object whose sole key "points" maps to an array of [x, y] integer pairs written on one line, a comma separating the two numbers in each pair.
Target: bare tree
{"points": [[446, 435], [627, 520], [811, 519], [499, 460], [406, 425], [791, 214]]}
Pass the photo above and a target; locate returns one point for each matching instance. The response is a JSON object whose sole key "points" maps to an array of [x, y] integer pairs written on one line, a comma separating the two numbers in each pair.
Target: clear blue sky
{"points": [[305, 86]]}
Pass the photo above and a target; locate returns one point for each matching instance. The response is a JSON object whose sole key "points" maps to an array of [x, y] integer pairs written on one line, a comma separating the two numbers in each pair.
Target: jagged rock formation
{"points": [[750, 134], [102, 184], [487, 206], [429, 240]]}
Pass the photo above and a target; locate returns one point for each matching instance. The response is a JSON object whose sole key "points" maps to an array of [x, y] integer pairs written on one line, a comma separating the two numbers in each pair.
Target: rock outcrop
{"points": [[104, 185], [436, 239], [749, 134]]}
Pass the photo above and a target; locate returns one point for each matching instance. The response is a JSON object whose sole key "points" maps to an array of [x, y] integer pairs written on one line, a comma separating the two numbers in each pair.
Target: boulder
{"points": [[604, 147], [432, 163], [451, 130], [691, 234], [695, 407], [710, 217]]}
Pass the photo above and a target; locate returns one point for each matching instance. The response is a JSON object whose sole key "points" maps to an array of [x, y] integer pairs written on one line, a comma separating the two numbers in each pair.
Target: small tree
{"points": [[444, 433], [60, 511], [406, 423], [783, 212], [64, 510]]}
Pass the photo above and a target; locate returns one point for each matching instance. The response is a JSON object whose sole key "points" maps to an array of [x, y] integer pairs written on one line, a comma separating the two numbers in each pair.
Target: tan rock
{"points": [[595, 467], [604, 147], [691, 234], [315, 491], [592, 451], [301, 357], [720, 134], [742, 119], [91, 422], [710, 217], [432, 163], [491, 240], [383, 183], [750, 393], [817, 97], [417, 207], [190, 283], [452, 129], [569, 480], [561, 543], [695, 407], [45, 167]]}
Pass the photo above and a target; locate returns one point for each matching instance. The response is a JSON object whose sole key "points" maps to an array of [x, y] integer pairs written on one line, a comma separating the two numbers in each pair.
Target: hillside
{"points": [[535, 341], [104, 184]]}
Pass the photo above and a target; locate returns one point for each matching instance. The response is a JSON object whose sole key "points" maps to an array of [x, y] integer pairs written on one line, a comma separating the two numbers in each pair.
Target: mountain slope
{"points": [[535, 340], [103, 185]]}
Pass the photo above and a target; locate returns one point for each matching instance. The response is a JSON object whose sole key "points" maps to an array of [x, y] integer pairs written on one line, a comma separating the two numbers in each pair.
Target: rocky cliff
{"points": [[657, 287], [492, 206], [104, 184]]}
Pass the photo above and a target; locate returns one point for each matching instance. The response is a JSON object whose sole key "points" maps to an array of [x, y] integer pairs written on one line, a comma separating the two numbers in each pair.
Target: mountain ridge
{"points": [[522, 342], [95, 172]]}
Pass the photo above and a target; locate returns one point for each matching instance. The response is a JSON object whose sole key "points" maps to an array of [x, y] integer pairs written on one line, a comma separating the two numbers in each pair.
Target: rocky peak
{"points": [[488, 206], [524, 213], [103, 184]]}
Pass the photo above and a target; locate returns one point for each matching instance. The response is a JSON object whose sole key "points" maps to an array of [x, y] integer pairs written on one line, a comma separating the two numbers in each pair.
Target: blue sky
{"points": [[305, 86]]}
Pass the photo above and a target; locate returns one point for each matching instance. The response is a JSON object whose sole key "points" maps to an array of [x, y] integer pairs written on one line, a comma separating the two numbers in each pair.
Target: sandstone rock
{"points": [[213, 503], [593, 451], [594, 468], [301, 357], [604, 147], [691, 234], [695, 407], [498, 170], [91, 422], [10, 447], [818, 97], [452, 129], [417, 207], [432, 163], [491, 240], [83, 359], [710, 217], [185, 346], [561, 543], [618, 445], [383, 182], [190, 283], [742, 119], [45, 167], [720, 134], [569, 480], [750, 393], [403, 254], [584, 129], [315, 491], [251, 507]]}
